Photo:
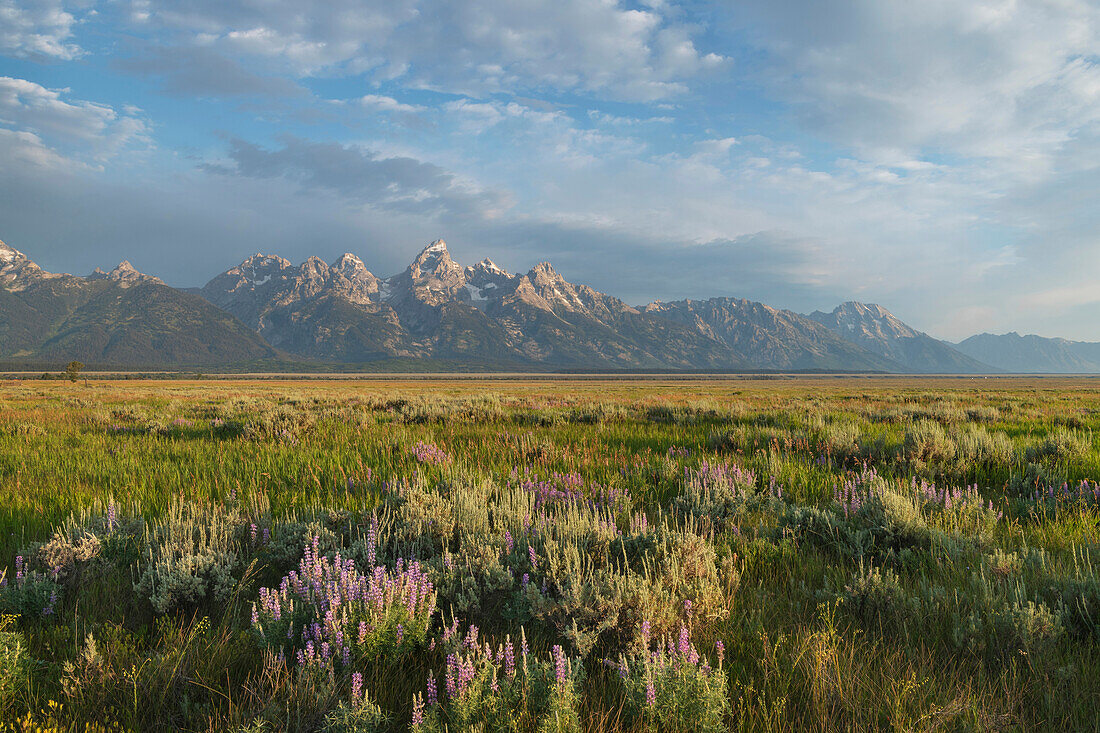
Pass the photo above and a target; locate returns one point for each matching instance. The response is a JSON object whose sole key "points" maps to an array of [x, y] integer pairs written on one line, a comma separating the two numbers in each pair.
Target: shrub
{"points": [[874, 596], [30, 594], [190, 556], [506, 689], [716, 493], [328, 610], [670, 686], [927, 444], [1061, 445], [15, 666]]}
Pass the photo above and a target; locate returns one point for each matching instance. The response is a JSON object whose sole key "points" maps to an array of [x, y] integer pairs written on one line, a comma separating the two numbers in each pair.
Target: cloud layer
{"points": [[941, 158]]}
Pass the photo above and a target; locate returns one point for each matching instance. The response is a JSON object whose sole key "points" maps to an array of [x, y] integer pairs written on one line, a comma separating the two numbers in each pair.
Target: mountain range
{"points": [[268, 311]]}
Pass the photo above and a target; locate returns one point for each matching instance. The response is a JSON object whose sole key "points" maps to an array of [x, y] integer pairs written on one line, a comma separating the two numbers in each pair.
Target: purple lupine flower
{"points": [[430, 453], [418, 711], [432, 695], [356, 689], [721, 648], [400, 633], [112, 515], [645, 633], [252, 530], [255, 615], [372, 540], [508, 542], [509, 658], [449, 680], [650, 691], [533, 557], [559, 664], [685, 640]]}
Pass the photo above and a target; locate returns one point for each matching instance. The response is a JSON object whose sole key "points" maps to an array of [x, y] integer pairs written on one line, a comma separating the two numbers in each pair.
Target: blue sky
{"points": [[940, 158]]}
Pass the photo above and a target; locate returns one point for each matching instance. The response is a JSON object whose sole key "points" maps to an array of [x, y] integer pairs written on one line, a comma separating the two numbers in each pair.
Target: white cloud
{"points": [[37, 28], [475, 47], [379, 103], [997, 79], [82, 126]]}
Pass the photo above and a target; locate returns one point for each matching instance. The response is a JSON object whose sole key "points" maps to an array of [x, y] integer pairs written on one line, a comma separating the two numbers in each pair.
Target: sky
{"points": [[941, 158]]}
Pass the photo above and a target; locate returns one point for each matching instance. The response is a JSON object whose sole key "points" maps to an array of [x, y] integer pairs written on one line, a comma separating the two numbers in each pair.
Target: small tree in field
{"points": [[72, 371]]}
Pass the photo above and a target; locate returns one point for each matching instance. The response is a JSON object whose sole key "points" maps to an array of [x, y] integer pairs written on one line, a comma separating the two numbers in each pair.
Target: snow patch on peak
{"points": [[348, 259], [9, 254]]}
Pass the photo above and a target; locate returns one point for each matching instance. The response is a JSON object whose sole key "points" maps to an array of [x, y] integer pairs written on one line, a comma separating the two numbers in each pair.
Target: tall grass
{"points": [[750, 555]]}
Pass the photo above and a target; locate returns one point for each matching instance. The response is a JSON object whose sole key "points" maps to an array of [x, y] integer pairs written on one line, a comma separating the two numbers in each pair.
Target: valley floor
{"points": [[508, 552]]}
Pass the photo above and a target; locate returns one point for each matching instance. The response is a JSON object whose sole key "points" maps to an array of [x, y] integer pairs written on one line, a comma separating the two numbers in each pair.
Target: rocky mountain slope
{"points": [[766, 335], [1033, 354], [116, 318], [436, 308], [881, 332]]}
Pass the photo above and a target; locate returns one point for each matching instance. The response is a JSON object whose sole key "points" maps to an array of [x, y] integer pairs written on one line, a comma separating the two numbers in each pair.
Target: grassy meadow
{"points": [[756, 554]]}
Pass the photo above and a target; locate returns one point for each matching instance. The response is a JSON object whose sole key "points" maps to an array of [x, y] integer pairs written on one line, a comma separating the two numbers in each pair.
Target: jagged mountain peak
{"points": [[433, 258], [348, 262], [870, 319], [126, 275], [10, 254], [261, 260], [545, 269], [488, 264], [878, 330], [17, 271]]}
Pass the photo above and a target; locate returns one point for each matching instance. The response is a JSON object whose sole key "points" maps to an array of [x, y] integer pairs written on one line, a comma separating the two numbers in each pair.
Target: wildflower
{"points": [[356, 689], [721, 648], [650, 691], [509, 658], [372, 540], [432, 695], [418, 710], [534, 558], [685, 640], [449, 679], [559, 664]]}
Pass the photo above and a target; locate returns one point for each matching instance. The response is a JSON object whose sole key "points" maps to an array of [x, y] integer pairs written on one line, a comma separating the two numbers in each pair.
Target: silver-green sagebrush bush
{"points": [[190, 555]]}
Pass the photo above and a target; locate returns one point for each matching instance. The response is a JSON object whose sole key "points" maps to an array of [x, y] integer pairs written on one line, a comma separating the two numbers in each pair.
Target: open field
{"points": [[662, 554]]}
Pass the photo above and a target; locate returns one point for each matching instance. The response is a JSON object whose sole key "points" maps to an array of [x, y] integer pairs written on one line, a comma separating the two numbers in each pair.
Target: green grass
{"points": [[904, 615]]}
